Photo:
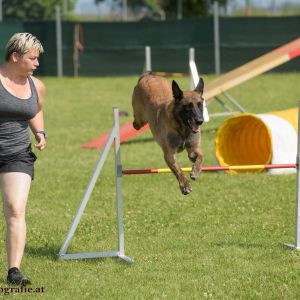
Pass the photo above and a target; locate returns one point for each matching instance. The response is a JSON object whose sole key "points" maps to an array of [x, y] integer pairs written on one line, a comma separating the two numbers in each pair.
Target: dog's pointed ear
{"points": [[200, 86], [177, 92]]}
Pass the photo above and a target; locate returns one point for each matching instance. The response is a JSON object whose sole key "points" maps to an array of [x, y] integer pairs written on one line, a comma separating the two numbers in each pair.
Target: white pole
{"points": [[179, 9], [119, 197], [217, 38], [297, 211], [297, 245], [148, 58], [65, 7], [118, 172], [194, 79], [124, 11], [1, 11], [59, 42], [88, 192], [114, 136]]}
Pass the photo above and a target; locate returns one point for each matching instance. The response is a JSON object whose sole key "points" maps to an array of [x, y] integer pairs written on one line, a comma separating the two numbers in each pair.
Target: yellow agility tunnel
{"points": [[258, 139]]}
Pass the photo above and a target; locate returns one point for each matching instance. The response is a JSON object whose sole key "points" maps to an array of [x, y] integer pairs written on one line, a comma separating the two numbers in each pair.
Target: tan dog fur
{"points": [[174, 118]]}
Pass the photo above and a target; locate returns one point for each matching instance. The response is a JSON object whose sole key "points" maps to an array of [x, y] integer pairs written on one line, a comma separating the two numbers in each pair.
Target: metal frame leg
{"points": [[234, 102], [119, 198], [114, 136], [296, 246], [229, 110]]}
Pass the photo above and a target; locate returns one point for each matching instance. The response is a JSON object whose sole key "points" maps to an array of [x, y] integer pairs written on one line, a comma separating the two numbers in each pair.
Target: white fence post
{"points": [[217, 38], [148, 58], [59, 42]]}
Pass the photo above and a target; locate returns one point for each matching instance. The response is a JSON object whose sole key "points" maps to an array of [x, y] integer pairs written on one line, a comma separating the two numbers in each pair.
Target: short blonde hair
{"points": [[22, 43]]}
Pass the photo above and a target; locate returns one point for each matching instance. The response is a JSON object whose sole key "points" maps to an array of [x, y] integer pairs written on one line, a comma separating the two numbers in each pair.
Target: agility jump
{"points": [[114, 138], [212, 169]]}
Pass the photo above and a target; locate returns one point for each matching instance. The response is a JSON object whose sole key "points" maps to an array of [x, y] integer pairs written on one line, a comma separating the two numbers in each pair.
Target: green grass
{"points": [[223, 241]]}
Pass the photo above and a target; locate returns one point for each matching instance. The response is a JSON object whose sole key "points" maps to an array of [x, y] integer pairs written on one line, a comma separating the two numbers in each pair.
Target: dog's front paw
{"points": [[185, 188]]}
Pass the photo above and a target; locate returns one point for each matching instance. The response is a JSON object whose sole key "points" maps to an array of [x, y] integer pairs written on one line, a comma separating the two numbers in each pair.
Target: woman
{"points": [[21, 101]]}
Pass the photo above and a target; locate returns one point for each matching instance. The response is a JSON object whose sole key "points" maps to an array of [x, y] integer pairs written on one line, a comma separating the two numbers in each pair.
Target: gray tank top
{"points": [[14, 116]]}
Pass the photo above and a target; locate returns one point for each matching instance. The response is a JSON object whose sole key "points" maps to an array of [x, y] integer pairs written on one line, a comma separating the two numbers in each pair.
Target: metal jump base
{"points": [[114, 138]]}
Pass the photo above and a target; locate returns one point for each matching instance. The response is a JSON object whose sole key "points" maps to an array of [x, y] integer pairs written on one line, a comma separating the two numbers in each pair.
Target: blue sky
{"points": [[88, 6]]}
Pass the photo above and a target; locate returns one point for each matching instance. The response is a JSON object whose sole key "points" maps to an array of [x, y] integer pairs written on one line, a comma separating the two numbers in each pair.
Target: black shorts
{"points": [[21, 162]]}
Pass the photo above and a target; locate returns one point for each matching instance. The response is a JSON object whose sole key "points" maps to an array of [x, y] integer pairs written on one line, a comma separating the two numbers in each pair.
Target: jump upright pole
{"points": [[114, 138], [297, 229]]}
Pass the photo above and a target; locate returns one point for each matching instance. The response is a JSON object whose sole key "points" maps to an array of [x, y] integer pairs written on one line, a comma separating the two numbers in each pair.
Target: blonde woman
{"points": [[21, 101]]}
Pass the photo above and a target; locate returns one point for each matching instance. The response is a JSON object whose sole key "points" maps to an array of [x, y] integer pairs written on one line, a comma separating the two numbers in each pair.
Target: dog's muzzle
{"points": [[199, 121], [195, 124]]}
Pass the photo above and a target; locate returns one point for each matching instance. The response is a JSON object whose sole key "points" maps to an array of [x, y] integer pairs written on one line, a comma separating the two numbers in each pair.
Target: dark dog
{"points": [[174, 117]]}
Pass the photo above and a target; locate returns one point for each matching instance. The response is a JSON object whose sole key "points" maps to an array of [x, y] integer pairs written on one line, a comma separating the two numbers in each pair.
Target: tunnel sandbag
{"points": [[250, 139]]}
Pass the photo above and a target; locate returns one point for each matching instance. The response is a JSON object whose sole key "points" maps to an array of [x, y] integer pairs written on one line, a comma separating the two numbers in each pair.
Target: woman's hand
{"points": [[41, 141]]}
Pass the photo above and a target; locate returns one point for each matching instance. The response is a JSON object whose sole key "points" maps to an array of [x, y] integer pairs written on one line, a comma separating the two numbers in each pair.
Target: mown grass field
{"points": [[223, 241]]}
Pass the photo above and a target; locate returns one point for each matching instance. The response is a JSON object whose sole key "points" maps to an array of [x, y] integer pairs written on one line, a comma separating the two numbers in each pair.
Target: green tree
{"points": [[190, 8], [32, 9]]}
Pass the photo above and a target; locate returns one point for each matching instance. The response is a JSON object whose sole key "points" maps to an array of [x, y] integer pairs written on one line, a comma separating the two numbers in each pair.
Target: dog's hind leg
{"points": [[184, 185], [138, 109], [196, 156]]}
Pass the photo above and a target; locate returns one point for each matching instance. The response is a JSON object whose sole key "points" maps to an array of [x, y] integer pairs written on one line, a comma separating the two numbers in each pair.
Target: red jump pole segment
{"points": [[212, 169]]}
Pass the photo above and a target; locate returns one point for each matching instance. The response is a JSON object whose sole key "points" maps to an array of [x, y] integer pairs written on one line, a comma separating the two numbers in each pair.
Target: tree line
{"points": [[29, 10]]}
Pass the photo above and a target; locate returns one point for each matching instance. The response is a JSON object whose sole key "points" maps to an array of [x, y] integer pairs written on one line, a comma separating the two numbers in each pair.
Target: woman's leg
{"points": [[15, 188]]}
